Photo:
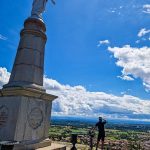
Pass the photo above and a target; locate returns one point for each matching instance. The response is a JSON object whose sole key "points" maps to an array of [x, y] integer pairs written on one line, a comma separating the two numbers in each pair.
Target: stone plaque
{"points": [[3, 115], [35, 118]]}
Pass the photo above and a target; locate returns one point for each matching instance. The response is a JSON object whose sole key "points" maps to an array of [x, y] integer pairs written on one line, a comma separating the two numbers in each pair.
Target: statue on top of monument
{"points": [[38, 7]]}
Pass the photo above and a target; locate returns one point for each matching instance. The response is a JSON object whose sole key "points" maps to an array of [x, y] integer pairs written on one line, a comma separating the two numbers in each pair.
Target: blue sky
{"points": [[86, 38]]}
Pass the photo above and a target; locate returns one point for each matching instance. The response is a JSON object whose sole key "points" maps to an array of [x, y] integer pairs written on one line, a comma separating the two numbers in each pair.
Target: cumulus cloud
{"points": [[103, 42], [76, 100], [2, 37], [134, 61], [146, 8], [4, 76], [143, 32]]}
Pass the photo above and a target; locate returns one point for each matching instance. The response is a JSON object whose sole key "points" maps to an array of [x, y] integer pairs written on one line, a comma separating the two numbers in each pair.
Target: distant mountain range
{"points": [[92, 121]]}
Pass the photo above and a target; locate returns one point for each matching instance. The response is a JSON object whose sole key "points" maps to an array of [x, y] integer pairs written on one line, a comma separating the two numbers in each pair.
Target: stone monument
{"points": [[25, 107]]}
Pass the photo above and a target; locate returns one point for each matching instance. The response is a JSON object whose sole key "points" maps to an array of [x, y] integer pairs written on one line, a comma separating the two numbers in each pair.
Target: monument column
{"points": [[25, 107], [29, 63]]}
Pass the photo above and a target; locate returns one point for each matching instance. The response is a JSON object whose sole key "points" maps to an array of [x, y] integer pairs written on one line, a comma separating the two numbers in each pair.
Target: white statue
{"points": [[38, 7]]}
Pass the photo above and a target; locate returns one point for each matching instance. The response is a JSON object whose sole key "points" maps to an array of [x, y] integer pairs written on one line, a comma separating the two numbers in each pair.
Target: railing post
{"points": [[74, 141]]}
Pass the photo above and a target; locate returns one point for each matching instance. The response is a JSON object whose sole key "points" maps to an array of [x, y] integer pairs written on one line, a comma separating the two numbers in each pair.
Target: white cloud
{"points": [[143, 32], [103, 42], [4, 76], [125, 77], [123, 93], [146, 8], [134, 61], [76, 100], [113, 11], [2, 37], [144, 35], [137, 41]]}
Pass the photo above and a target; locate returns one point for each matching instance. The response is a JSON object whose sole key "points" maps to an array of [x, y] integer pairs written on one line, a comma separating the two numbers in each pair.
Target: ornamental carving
{"points": [[35, 118], [3, 115]]}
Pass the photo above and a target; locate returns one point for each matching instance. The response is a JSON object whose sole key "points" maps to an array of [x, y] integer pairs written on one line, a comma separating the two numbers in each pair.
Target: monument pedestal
{"points": [[24, 115], [25, 107]]}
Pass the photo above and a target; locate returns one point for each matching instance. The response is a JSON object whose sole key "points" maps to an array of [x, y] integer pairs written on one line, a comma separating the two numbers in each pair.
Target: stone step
{"points": [[54, 146]]}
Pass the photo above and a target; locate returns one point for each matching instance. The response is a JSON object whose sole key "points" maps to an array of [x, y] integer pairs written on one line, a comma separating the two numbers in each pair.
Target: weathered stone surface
{"points": [[28, 73], [7, 128], [40, 145], [30, 57], [16, 91], [54, 146], [27, 42], [24, 118], [29, 63]]}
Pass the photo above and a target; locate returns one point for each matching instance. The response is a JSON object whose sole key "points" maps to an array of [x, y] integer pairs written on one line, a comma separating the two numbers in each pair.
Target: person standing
{"points": [[101, 132]]}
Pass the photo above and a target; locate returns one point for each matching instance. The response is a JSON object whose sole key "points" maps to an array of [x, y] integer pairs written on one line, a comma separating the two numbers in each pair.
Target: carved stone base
{"points": [[24, 115]]}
